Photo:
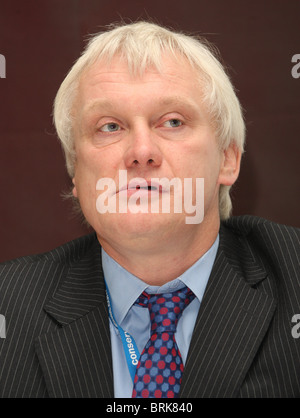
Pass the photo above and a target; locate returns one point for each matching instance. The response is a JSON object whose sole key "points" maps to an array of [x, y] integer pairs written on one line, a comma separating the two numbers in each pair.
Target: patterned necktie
{"points": [[159, 370]]}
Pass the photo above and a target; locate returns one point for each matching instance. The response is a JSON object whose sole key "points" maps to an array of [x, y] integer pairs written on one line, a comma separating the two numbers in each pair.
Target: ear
{"points": [[230, 165], [74, 191]]}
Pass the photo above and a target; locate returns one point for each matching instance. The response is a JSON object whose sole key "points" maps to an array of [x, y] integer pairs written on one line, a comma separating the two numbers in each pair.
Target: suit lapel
{"points": [[76, 359], [232, 321]]}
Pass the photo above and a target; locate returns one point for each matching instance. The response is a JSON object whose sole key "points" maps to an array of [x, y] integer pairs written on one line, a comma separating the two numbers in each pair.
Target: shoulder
{"points": [[276, 237], [33, 271], [275, 246], [66, 253], [246, 223]]}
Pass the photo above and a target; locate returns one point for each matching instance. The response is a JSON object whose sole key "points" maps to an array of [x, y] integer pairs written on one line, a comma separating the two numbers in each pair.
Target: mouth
{"points": [[145, 185], [149, 188]]}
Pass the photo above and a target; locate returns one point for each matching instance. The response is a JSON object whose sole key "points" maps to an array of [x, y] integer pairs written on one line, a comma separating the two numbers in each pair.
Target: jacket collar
{"points": [[81, 289]]}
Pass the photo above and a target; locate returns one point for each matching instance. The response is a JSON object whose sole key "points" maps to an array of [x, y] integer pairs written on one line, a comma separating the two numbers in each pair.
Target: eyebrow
{"points": [[162, 101], [179, 101], [97, 104]]}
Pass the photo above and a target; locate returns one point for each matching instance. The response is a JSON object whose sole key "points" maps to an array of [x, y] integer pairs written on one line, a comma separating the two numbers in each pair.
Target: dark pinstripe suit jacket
{"points": [[57, 332]]}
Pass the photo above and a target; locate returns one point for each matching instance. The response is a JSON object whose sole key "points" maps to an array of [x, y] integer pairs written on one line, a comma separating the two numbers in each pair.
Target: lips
{"points": [[142, 184]]}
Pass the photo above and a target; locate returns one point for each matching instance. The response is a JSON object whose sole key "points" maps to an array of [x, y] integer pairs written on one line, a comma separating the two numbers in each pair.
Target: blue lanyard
{"points": [[130, 348]]}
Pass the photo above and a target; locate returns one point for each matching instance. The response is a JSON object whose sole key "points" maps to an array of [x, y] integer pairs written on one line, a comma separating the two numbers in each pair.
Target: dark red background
{"points": [[41, 40]]}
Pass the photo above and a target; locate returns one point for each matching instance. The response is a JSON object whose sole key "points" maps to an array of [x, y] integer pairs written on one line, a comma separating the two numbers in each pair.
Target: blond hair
{"points": [[142, 44]]}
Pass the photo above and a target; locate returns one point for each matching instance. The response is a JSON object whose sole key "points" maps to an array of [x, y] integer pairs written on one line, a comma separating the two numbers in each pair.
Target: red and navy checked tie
{"points": [[159, 370]]}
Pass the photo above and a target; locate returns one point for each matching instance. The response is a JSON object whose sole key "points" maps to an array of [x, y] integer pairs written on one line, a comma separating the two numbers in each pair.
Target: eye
{"points": [[172, 123], [110, 127]]}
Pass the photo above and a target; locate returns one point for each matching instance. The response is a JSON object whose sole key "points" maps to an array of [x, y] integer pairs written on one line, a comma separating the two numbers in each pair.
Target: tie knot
{"points": [[166, 308]]}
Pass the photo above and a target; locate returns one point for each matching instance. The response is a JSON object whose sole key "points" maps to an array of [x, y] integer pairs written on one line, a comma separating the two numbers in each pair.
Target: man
{"points": [[164, 299]]}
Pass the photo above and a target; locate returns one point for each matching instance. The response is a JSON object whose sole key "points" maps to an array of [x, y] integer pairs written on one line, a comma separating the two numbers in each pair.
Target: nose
{"points": [[143, 151]]}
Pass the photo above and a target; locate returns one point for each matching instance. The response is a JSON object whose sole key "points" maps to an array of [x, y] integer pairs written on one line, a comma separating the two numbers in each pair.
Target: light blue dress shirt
{"points": [[125, 288]]}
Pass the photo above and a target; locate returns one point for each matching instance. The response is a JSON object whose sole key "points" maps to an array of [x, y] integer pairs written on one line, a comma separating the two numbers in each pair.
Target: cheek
{"points": [[87, 158], [92, 164], [86, 173], [95, 162], [201, 160]]}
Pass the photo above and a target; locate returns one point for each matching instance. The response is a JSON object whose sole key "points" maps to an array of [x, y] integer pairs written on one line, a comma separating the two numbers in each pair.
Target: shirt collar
{"points": [[125, 288]]}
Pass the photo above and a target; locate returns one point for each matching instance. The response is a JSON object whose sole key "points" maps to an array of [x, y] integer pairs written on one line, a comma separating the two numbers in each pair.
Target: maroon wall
{"points": [[41, 39]]}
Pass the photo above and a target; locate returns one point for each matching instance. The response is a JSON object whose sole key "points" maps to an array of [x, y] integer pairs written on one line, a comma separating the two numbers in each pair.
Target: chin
{"points": [[138, 225]]}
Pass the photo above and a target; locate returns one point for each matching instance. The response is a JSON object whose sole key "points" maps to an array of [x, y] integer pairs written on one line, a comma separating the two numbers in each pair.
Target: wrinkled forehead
{"points": [[174, 75], [162, 64]]}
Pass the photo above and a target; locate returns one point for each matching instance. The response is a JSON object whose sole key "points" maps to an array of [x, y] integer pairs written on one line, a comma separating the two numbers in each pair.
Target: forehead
{"points": [[115, 78], [167, 63]]}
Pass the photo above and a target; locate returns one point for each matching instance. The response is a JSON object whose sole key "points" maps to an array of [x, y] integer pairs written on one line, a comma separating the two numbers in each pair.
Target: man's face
{"points": [[151, 126]]}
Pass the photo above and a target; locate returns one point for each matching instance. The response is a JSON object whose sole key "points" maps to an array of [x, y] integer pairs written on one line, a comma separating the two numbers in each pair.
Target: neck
{"points": [[162, 262]]}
